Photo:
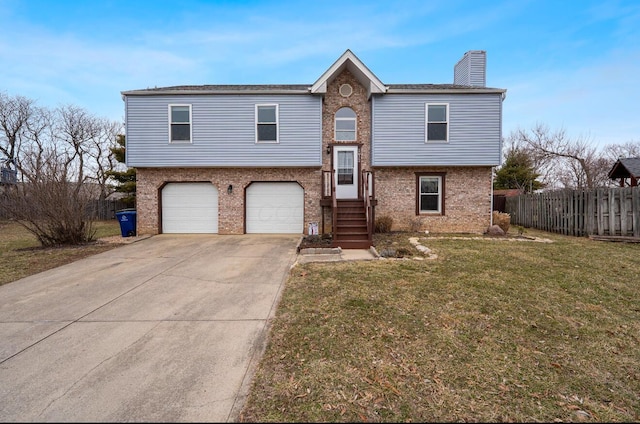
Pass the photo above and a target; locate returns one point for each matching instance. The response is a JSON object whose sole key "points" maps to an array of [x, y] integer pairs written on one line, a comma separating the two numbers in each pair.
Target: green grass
{"points": [[490, 331], [21, 254]]}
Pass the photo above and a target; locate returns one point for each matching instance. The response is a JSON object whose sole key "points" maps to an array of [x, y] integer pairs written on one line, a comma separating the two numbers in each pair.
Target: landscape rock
{"points": [[495, 230]]}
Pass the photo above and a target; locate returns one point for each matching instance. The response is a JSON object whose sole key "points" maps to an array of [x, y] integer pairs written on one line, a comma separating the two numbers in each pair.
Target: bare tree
{"points": [[102, 159], [575, 162], [49, 203], [541, 164], [64, 157], [75, 127], [630, 149], [15, 113], [38, 136]]}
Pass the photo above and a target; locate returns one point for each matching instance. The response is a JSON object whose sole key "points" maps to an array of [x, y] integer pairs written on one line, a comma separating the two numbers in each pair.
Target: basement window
{"points": [[430, 193]]}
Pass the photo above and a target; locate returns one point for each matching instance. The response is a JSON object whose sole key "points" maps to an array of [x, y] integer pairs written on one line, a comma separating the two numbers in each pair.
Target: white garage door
{"points": [[189, 208], [275, 208]]}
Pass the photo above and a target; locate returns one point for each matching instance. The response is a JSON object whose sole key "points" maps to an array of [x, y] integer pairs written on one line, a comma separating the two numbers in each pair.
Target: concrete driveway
{"points": [[166, 329]]}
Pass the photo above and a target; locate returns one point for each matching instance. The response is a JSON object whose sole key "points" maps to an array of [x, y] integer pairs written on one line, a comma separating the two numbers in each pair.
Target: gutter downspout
{"points": [[491, 212]]}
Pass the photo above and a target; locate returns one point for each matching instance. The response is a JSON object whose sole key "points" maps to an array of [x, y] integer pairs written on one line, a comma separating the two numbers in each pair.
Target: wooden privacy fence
{"points": [[602, 211], [105, 209]]}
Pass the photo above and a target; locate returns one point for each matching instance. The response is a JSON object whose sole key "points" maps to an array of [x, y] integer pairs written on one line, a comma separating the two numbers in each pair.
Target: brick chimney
{"points": [[471, 70]]}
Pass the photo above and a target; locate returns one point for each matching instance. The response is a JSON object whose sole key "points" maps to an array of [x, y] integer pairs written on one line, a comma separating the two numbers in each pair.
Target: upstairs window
{"points": [[345, 124], [266, 123], [437, 122], [180, 123]]}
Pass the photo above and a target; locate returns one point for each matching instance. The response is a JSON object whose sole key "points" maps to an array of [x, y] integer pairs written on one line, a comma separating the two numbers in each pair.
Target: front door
{"points": [[345, 164]]}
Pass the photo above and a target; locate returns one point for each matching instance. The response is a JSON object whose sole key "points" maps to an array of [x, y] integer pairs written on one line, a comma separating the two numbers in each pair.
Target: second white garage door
{"points": [[189, 208], [275, 208]]}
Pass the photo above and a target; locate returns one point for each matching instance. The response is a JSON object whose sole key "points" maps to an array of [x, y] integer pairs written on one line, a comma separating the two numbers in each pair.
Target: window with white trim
{"points": [[437, 124], [430, 193], [180, 123], [267, 123], [345, 124]]}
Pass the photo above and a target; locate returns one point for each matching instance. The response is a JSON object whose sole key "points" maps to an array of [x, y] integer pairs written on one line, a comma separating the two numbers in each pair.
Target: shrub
{"points": [[383, 224], [415, 225], [502, 220]]}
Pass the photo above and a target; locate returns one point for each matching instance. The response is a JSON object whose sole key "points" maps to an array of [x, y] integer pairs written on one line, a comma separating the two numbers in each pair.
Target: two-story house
{"points": [[235, 159]]}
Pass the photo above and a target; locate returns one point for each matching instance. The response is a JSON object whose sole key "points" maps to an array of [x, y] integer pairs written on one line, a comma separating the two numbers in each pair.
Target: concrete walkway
{"points": [[167, 329], [335, 255]]}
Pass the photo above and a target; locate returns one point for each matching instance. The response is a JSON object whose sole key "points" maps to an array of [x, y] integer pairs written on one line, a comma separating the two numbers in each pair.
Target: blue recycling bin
{"points": [[127, 219]]}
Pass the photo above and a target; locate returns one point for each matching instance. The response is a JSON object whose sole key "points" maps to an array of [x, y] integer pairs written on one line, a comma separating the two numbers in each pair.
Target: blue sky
{"points": [[570, 64]]}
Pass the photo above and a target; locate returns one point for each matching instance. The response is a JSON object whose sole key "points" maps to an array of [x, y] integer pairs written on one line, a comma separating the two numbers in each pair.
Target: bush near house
{"points": [[383, 224], [502, 220]]}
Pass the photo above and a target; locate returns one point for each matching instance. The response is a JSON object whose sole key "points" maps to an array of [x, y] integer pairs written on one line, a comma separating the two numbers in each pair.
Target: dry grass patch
{"points": [[489, 331], [21, 254]]}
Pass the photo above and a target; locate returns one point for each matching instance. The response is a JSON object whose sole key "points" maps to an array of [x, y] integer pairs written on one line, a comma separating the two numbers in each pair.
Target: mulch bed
{"points": [[316, 241]]}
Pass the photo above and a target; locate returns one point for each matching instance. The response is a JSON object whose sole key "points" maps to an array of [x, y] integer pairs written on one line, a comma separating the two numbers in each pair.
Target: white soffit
{"points": [[349, 61]]}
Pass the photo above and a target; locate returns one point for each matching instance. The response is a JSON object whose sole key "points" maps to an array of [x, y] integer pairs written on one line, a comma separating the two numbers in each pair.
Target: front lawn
{"points": [[490, 330], [21, 254]]}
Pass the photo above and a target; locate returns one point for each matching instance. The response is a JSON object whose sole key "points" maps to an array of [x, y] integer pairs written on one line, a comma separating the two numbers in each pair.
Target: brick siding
{"points": [[467, 199], [231, 207], [360, 105]]}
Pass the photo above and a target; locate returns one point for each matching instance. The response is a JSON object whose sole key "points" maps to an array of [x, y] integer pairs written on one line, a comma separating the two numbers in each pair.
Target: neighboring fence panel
{"points": [[103, 210], [499, 202], [602, 211]]}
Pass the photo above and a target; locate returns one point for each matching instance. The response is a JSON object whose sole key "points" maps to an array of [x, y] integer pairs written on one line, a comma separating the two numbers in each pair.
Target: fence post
{"points": [[635, 208], [588, 224], [623, 211]]}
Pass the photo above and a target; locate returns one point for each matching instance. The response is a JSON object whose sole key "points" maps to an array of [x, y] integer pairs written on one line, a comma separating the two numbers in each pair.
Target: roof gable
{"points": [[625, 167], [349, 61]]}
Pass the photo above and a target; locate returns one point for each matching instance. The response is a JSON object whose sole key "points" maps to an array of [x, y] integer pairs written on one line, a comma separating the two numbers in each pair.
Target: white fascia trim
{"points": [[205, 92], [320, 86], [446, 91]]}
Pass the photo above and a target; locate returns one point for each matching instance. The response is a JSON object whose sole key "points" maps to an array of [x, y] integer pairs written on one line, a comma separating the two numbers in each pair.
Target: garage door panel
{"points": [[275, 208], [189, 208]]}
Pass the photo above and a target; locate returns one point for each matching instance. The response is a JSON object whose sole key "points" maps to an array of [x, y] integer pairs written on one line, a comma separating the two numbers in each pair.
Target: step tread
{"points": [[353, 244]]}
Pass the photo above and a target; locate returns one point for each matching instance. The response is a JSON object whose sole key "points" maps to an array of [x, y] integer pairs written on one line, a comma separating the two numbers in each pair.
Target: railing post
{"points": [[334, 205]]}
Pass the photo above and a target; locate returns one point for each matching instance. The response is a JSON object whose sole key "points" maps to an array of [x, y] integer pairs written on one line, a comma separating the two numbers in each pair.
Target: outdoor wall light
{"points": [[328, 150], [230, 189]]}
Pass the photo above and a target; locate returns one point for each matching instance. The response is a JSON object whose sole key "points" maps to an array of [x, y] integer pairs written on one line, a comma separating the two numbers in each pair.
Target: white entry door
{"points": [[345, 164]]}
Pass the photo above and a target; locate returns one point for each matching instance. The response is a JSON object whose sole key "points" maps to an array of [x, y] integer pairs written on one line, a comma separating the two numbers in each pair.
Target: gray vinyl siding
{"points": [[471, 69], [223, 131], [398, 130], [461, 73], [478, 72]]}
